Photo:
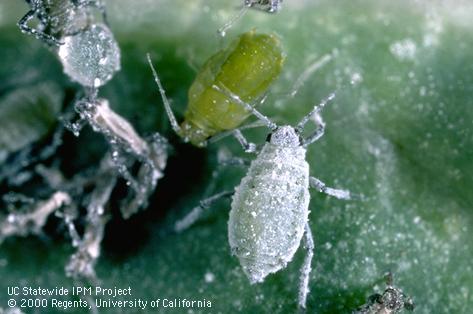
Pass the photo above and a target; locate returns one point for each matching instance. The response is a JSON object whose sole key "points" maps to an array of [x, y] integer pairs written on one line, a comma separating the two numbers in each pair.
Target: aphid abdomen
{"points": [[269, 211], [247, 68], [91, 57]]}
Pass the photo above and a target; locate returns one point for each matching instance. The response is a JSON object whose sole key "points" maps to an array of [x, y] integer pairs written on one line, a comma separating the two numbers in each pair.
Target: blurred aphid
{"points": [[90, 57], [59, 18], [270, 207], [82, 263], [392, 301], [270, 6], [127, 148], [247, 68], [86, 47]]}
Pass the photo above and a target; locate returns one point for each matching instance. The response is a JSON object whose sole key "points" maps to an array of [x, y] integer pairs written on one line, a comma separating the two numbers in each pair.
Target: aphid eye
{"points": [[268, 138]]}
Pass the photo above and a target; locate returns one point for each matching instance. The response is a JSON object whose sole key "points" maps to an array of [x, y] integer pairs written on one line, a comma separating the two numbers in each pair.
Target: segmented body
{"points": [[269, 211], [247, 68]]}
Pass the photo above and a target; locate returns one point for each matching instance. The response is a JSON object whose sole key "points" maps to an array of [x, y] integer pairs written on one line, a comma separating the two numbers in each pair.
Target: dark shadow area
{"points": [[124, 237]]}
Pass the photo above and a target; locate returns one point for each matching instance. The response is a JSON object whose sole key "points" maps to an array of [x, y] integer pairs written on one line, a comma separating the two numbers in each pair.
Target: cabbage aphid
{"points": [[270, 206], [85, 46]]}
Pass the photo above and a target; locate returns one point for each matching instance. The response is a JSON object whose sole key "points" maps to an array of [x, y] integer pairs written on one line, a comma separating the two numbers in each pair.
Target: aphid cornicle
{"points": [[270, 207], [247, 67]]}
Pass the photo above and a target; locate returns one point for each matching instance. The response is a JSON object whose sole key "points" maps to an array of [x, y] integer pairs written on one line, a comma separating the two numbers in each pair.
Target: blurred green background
{"points": [[401, 137]]}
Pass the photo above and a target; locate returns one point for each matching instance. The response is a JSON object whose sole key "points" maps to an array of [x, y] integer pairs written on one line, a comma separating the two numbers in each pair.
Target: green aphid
{"points": [[247, 68]]}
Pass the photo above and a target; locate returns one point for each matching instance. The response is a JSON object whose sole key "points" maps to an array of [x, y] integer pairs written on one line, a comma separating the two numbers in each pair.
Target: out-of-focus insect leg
{"points": [[321, 187], [23, 25], [318, 133], [223, 30], [248, 147], [197, 211], [226, 159], [306, 267]]}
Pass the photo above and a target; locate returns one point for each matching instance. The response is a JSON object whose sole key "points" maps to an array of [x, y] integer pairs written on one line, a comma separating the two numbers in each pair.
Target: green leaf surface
{"points": [[401, 138]]}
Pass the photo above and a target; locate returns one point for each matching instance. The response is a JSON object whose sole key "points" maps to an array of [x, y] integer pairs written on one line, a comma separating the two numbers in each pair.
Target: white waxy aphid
{"points": [[86, 47], [270, 207], [90, 57]]}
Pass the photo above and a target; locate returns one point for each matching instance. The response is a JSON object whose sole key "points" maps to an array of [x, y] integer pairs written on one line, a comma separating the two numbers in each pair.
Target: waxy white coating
{"points": [[270, 207]]}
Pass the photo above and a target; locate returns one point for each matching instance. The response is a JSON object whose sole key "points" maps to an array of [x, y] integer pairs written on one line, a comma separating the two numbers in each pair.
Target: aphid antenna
{"points": [[311, 69], [270, 124], [223, 30], [222, 135], [172, 119], [316, 109]]}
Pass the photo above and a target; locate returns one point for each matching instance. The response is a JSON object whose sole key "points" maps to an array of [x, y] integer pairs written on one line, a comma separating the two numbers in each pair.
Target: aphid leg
{"points": [[321, 187], [223, 30], [167, 106], [248, 147], [224, 134], [234, 161], [197, 211], [306, 267], [319, 132], [23, 25], [222, 89]]}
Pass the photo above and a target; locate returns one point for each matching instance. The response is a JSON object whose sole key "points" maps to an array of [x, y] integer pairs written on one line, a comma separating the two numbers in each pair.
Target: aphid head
{"points": [[285, 136]]}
